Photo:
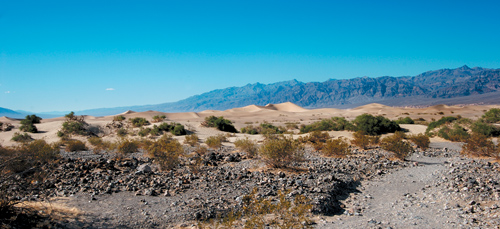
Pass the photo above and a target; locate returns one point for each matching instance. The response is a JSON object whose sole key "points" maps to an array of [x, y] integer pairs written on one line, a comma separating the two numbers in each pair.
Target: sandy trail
{"points": [[402, 199]]}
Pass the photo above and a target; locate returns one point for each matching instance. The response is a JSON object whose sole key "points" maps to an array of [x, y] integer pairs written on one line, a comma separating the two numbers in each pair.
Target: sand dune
{"points": [[250, 108], [7, 119], [288, 106], [277, 114], [127, 112]]}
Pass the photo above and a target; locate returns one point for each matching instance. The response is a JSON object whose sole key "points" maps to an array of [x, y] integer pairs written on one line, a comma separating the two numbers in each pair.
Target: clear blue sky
{"points": [[81, 54]]}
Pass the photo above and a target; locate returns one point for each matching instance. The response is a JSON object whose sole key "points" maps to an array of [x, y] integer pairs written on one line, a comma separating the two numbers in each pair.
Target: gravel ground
{"points": [[434, 189]]}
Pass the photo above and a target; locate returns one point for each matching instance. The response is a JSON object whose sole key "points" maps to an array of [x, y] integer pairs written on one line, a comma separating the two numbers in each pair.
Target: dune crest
{"points": [[127, 112], [7, 119], [286, 106]]}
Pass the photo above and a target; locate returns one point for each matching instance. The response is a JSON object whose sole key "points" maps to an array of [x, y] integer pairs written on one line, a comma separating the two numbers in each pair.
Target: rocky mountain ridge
{"points": [[462, 85]]}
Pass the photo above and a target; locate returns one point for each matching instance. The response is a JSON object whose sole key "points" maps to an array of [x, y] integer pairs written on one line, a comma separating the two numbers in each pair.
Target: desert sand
{"points": [[277, 114]]}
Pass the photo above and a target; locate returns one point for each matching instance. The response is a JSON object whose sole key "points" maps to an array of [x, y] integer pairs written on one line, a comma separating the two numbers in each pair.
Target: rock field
{"points": [[437, 188]]}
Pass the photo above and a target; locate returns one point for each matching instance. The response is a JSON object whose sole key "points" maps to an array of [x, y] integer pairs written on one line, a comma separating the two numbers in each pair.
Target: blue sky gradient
{"points": [[75, 55]]}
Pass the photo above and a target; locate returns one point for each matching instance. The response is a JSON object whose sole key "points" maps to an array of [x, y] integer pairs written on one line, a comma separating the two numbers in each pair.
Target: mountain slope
{"points": [[433, 86], [10, 113], [462, 85]]}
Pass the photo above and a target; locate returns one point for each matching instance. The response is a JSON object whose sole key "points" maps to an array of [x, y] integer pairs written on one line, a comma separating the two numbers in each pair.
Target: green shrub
{"points": [[457, 134], [118, 118], [74, 127], [282, 152], [421, 140], [191, 139], [440, 122], [406, 120], [248, 146], [372, 125], [179, 130], [127, 146], [263, 128], [122, 132], [143, 132], [492, 115], [397, 145], [27, 124], [220, 123], [138, 122], [250, 129], [159, 118], [21, 137], [479, 145], [336, 148], [166, 151], [486, 129], [75, 145], [333, 124]]}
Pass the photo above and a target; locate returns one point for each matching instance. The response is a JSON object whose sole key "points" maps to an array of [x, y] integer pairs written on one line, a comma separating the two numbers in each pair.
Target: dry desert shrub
{"points": [[165, 151], [421, 140], [282, 152], [318, 138], [25, 160], [99, 144], [191, 139], [201, 150], [127, 146], [397, 145], [479, 145], [18, 137], [248, 146], [215, 142], [75, 145], [336, 148], [360, 139], [260, 212]]}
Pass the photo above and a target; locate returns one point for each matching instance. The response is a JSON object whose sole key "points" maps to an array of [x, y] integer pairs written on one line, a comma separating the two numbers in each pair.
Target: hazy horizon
{"points": [[62, 56]]}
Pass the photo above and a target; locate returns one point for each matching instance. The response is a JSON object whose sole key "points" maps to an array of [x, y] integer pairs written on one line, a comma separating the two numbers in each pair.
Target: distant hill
{"points": [[10, 113], [462, 85]]}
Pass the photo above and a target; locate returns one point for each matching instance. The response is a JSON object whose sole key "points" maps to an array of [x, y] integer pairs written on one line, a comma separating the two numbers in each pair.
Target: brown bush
{"points": [[127, 146], [26, 160], [201, 150], [248, 146], [215, 142], [336, 148], [165, 151], [360, 139], [75, 145], [99, 144], [191, 140], [396, 145], [421, 140], [282, 152], [261, 212], [480, 145]]}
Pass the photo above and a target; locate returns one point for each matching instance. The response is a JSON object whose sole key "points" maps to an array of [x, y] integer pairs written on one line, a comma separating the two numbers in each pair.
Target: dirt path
{"points": [[403, 199]]}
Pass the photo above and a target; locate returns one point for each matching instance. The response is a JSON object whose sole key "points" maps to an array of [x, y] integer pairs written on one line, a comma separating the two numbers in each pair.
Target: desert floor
{"points": [[437, 188]]}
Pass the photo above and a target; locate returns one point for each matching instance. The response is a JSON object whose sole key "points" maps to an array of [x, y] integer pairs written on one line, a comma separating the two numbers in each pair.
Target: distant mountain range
{"points": [[462, 85]]}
